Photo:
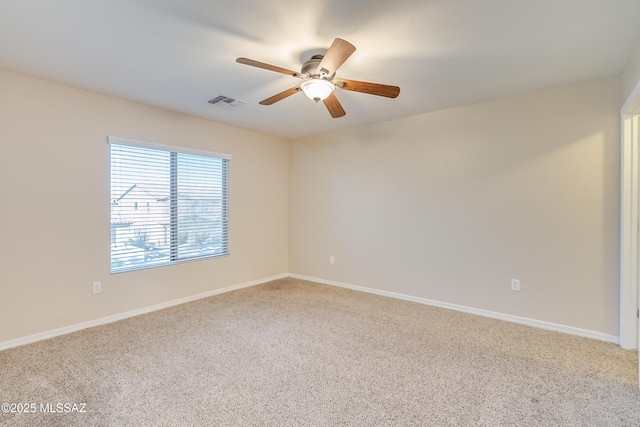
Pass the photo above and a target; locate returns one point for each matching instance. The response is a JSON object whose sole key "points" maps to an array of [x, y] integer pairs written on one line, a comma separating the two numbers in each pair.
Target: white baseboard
{"points": [[485, 313], [110, 319]]}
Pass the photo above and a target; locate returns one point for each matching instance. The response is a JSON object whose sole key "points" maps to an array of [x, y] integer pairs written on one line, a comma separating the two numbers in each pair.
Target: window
{"points": [[186, 197]]}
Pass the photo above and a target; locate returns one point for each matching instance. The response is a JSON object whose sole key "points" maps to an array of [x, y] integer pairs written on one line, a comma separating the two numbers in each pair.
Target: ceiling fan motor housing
{"points": [[309, 68]]}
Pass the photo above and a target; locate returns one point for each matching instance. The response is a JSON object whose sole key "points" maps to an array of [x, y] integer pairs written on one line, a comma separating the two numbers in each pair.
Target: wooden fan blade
{"points": [[280, 96], [269, 67], [366, 87], [334, 107], [339, 52]]}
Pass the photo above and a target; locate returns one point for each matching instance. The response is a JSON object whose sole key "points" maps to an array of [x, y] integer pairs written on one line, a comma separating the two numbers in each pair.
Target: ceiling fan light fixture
{"points": [[317, 89]]}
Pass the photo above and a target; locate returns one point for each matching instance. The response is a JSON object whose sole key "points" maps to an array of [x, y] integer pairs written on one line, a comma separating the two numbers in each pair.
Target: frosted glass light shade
{"points": [[317, 89]]}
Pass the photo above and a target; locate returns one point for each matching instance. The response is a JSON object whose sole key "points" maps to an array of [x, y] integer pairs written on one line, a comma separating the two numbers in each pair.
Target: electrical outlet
{"points": [[332, 260], [515, 285], [97, 287]]}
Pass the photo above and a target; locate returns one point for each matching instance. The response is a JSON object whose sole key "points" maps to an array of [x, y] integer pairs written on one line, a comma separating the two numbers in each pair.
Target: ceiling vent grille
{"points": [[226, 102]]}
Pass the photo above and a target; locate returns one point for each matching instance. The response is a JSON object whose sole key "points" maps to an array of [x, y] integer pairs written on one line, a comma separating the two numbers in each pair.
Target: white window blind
{"points": [[168, 204]]}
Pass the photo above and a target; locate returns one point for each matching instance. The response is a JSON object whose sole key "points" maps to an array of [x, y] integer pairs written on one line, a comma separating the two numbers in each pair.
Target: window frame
{"points": [[173, 152]]}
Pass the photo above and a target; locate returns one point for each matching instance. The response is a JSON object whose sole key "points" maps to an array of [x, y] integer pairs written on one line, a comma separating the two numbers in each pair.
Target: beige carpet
{"points": [[295, 353]]}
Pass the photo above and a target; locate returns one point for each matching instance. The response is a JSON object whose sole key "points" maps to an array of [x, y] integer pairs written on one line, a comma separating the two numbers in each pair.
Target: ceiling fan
{"points": [[319, 82]]}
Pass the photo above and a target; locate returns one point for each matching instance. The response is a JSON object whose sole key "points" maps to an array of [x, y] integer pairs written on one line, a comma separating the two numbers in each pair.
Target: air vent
{"points": [[226, 102]]}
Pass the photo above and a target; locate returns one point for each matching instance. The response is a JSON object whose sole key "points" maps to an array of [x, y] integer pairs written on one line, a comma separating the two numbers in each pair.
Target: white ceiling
{"points": [[178, 54]]}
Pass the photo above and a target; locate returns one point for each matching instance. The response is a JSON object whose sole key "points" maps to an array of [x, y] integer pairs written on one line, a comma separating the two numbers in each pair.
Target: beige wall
{"points": [[631, 75], [452, 205], [54, 216], [448, 206]]}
